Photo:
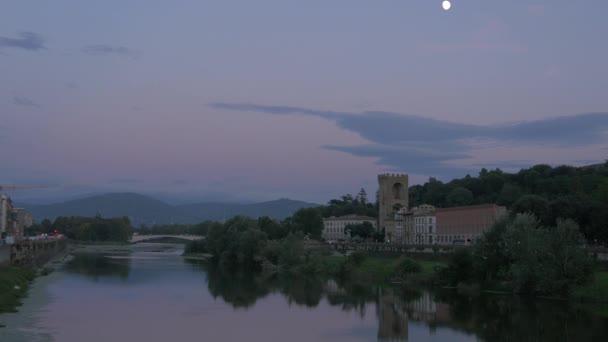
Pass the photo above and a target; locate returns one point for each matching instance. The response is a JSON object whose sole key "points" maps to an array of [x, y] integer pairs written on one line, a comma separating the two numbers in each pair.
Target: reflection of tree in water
{"points": [[301, 290], [513, 318], [97, 266], [243, 289], [490, 318], [239, 288], [350, 296]]}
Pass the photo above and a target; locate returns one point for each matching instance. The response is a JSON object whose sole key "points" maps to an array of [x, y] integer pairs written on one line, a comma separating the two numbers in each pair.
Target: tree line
{"points": [[550, 193], [94, 229]]}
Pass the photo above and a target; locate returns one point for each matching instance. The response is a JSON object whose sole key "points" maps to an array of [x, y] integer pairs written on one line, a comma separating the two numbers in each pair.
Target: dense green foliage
{"points": [[550, 193], [521, 255], [349, 204], [87, 228], [363, 230], [246, 244]]}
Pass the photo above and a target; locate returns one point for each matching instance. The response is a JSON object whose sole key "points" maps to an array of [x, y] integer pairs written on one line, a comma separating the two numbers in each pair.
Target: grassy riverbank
{"points": [[365, 269], [14, 283], [596, 291], [197, 256]]}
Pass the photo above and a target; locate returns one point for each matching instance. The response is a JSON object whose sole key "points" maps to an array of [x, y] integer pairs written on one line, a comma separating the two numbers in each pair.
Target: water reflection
{"points": [[185, 294], [490, 318], [96, 266]]}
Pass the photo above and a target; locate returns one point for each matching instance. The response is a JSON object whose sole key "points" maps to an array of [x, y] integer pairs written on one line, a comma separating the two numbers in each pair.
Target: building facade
{"points": [[20, 220], [334, 228], [403, 220], [427, 225], [423, 228], [6, 206], [417, 226], [393, 196], [13, 221], [464, 225]]}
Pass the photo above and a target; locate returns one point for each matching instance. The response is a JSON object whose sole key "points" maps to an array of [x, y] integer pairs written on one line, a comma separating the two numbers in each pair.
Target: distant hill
{"points": [[149, 211]]}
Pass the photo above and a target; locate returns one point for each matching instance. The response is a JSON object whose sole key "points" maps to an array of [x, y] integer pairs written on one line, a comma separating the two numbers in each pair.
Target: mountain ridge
{"points": [[147, 210]]}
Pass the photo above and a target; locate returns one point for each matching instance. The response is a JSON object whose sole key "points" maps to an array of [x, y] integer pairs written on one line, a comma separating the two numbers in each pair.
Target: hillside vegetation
{"points": [[550, 193]]}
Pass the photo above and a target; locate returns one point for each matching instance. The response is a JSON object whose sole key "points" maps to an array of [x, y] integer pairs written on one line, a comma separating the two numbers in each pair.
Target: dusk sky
{"points": [[247, 100]]}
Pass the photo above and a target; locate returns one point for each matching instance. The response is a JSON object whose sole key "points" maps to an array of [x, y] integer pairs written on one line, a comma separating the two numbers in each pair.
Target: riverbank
{"points": [[197, 256], [14, 283], [596, 291]]}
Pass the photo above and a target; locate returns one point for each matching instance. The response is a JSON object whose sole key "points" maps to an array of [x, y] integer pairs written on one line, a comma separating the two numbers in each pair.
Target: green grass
{"points": [[14, 283], [596, 291], [375, 269], [198, 256]]}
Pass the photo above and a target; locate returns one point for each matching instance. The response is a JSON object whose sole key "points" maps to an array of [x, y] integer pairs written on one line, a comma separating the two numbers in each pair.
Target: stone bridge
{"points": [[140, 238]]}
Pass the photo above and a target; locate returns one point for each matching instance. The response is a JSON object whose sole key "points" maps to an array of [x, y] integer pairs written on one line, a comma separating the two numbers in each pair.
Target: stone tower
{"points": [[393, 196]]}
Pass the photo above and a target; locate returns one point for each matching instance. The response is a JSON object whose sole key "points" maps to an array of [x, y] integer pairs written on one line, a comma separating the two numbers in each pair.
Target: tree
{"points": [[310, 220], [459, 196], [509, 194], [362, 197], [534, 204], [363, 230], [527, 257], [272, 228]]}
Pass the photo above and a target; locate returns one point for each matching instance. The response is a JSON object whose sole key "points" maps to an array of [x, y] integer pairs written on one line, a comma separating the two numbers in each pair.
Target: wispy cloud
{"points": [[102, 50], [24, 101], [27, 41], [430, 146], [126, 181]]}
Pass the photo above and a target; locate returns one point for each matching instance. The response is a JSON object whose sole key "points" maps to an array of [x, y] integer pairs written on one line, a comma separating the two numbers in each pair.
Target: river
{"points": [[153, 294]]}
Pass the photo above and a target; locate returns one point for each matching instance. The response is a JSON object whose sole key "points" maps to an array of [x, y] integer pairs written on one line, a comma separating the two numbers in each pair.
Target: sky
{"points": [[245, 100]]}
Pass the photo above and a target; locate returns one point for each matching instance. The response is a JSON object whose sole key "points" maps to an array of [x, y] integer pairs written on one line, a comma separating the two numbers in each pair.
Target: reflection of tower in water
{"points": [[394, 314], [392, 317]]}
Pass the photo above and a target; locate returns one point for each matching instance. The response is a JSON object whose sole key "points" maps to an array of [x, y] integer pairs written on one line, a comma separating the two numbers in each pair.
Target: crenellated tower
{"points": [[393, 195]]}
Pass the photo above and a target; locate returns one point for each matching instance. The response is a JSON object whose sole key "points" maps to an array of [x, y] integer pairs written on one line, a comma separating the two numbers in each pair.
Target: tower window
{"points": [[398, 191]]}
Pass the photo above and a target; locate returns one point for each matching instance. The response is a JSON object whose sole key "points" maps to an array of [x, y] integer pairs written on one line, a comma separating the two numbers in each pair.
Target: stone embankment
{"points": [[31, 253]]}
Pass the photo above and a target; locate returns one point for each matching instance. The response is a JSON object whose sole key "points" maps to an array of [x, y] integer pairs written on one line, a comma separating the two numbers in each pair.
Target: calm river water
{"points": [[158, 296]]}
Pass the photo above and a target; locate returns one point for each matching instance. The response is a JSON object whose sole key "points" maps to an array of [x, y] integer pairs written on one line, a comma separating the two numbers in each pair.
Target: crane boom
{"points": [[16, 187]]}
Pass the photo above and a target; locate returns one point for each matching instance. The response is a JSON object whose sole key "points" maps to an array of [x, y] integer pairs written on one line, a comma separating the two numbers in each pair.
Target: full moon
{"points": [[446, 5]]}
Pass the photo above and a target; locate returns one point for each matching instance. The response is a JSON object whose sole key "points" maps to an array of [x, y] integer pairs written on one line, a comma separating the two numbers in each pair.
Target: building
{"points": [[464, 225], [393, 195], [20, 220], [403, 220], [334, 228], [13, 221], [6, 206], [427, 225], [417, 226], [423, 227]]}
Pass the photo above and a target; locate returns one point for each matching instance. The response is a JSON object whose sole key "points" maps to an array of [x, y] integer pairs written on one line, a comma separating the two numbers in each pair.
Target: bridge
{"points": [[140, 238]]}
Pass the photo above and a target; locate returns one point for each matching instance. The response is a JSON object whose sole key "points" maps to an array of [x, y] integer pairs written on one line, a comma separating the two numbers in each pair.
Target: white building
{"points": [[415, 227], [403, 219], [334, 228], [425, 227]]}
